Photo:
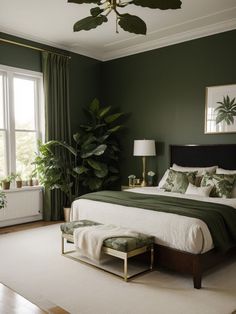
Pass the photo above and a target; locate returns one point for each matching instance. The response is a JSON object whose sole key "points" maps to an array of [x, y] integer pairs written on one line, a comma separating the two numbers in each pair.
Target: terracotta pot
{"points": [[6, 185], [67, 214], [19, 184]]}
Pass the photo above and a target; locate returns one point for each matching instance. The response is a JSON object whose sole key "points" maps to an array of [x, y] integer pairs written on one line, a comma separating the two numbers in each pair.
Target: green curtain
{"points": [[57, 119]]}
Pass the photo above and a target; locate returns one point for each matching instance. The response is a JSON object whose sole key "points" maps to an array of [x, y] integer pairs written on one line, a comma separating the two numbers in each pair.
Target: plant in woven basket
{"points": [[3, 200]]}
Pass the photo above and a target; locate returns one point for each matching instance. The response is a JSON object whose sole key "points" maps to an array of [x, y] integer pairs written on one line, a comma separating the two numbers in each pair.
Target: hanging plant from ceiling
{"points": [[128, 22]]}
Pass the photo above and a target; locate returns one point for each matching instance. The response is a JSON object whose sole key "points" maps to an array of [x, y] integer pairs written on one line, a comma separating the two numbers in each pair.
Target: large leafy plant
{"points": [[97, 147], [53, 167], [128, 22], [93, 159], [226, 111]]}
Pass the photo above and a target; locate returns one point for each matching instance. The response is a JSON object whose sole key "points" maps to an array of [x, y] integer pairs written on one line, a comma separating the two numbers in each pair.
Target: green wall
{"points": [[84, 72], [163, 91]]}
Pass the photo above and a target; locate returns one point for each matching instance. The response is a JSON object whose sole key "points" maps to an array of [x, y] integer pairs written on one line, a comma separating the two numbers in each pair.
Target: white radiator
{"points": [[23, 205]]}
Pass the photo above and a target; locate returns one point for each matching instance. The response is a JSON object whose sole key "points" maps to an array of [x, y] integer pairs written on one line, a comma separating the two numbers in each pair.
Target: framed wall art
{"points": [[220, 114]]}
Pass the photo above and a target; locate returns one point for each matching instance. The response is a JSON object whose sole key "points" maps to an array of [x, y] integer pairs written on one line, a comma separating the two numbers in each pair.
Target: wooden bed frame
{"points": [[196, 156]]}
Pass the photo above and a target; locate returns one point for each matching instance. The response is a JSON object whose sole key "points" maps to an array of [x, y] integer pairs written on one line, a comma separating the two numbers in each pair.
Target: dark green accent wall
{"points": [[163, 91], [84, 72]]}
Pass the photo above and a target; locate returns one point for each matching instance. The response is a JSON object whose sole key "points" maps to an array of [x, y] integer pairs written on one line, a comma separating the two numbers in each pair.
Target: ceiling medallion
{"points": [[129, 23]]}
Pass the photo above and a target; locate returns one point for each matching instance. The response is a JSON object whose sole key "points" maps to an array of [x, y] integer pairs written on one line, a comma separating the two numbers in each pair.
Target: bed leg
{"points": [[197, 272]]}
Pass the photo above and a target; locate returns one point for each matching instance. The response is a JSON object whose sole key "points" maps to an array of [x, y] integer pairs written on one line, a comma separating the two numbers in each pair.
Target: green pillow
{"points": [[178, 181], [222, 184]]}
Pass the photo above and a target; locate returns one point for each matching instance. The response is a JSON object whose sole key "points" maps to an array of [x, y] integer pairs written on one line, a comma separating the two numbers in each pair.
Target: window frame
{"points": [[9, 73]]}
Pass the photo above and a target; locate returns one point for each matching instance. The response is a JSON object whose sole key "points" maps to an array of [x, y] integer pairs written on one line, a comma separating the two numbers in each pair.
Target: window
{"points": [[21, 119]]}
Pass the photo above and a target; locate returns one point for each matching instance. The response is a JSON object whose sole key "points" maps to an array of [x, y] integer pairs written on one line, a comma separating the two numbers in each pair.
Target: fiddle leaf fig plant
{"points": [[126, 21], [94, 155]]}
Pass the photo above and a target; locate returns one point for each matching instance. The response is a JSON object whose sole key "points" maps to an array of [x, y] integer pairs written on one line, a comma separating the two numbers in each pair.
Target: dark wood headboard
{"points": [[223, 155]]}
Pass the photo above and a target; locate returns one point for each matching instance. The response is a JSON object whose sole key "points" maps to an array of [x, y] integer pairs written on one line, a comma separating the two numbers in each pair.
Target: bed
{"points": [[183, 244]]}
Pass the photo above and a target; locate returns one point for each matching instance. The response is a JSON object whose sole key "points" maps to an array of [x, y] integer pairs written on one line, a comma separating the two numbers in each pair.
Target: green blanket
{"points": [[220, 219]]}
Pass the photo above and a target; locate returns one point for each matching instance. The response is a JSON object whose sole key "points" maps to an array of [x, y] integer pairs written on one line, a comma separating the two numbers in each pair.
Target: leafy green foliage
{"points": [[226, 110], [94, 157], [159, 4], [84, 1], [3, 200], [127, 22], [98, 147], [53, 170], [89, 22], [132, 24]]}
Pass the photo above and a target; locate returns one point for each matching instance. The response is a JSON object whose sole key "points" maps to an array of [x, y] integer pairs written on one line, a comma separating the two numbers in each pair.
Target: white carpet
{"points": [[31, 264]]}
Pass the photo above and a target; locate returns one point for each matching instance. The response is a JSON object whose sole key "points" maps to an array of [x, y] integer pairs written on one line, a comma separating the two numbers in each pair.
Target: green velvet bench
{"points": [[120, 247]]}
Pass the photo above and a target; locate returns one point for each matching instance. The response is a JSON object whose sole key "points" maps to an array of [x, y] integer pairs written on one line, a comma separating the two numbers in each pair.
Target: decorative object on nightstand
{"points": [[131, 178], [151, 176], [144, 148]]}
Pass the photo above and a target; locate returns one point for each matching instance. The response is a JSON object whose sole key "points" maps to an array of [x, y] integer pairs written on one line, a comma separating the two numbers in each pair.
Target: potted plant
{"points": [[93, 159], [151, 176], [30, 180], [131, 178], [3, 200], [6, 181], [18, 180]]}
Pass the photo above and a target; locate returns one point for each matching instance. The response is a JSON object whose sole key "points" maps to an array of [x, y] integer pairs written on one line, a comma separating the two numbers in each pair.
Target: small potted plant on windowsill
{"points": [[6, 182], [3, 200], [18, 181]]}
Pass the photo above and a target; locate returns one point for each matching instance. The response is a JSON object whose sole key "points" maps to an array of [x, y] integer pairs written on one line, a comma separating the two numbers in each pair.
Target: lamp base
{"points": [[144, 183]]}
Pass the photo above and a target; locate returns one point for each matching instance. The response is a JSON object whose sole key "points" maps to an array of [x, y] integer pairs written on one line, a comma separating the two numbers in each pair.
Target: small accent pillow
{"points": [[201, 191], [226, 171], [163, 179], [178, 181], [200, 171], [222, 184]]}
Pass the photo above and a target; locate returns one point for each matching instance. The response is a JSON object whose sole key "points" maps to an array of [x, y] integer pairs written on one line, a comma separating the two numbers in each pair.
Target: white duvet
{"points": [[183, 233]]}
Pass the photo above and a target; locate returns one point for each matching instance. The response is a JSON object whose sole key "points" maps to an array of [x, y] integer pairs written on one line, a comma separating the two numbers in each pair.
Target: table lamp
{"points": [[144, 148]]}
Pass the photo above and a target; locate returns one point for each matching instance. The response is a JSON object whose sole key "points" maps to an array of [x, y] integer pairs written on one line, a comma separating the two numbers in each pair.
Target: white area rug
{"points": [[31, 264]]}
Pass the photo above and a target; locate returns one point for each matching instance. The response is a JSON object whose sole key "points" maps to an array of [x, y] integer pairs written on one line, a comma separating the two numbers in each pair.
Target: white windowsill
{"points": [[24, 188]]}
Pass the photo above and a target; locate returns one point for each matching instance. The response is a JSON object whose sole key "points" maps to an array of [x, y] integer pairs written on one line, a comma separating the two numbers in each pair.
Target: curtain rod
{"points": [[31, 47]]}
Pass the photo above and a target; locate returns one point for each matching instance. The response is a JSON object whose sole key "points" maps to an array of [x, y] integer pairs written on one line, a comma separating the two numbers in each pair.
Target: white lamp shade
{"points": [[144, 148]]}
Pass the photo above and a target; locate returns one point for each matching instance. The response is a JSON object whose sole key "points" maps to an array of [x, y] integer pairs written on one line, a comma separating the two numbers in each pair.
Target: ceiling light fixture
{"points": [[128, 22]]}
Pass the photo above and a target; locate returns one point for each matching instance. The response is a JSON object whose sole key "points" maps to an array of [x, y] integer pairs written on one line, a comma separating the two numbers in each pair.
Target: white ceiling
{"points": [[51, 22]]}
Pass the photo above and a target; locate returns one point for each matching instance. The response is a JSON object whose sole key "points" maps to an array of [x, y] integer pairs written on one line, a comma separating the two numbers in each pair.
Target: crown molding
{"points": [[79, 50], [103, 54], [171, 40]]}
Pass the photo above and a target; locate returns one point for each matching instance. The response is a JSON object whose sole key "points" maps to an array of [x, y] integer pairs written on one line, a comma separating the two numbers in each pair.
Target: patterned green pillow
{"points": [[178, 181], [222, 184]]}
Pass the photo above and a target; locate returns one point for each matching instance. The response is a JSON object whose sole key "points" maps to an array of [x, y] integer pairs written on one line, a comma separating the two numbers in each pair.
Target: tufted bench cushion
{"points": [[122, 244]]}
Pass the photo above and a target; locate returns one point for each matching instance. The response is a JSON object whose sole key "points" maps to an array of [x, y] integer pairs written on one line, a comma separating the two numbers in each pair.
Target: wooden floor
{"points": [[26, 226], [10, 301]]}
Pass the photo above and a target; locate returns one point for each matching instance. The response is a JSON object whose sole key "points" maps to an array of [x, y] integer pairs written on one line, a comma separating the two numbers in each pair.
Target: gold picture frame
{"points": [[220, 110]]}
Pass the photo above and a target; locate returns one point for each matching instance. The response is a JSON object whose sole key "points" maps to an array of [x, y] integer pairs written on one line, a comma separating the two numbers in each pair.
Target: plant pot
{"points": [[6, 185], [30, 182], [67, 214], [19, 184]]}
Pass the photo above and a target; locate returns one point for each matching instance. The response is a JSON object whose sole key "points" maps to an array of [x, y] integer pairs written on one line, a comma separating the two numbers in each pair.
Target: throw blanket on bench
{"points": [[89, 240], [220, 219]]}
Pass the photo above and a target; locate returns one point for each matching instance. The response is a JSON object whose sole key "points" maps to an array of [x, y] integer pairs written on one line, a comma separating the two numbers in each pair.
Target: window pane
{"points": [[26, 146], [1, 103], [24, 104], [2, 154]]}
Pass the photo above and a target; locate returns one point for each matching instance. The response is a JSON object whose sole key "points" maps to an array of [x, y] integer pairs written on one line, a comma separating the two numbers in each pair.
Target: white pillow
{"points": [[163, 179], [201, 170], [201, 191], [225, 171]]}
